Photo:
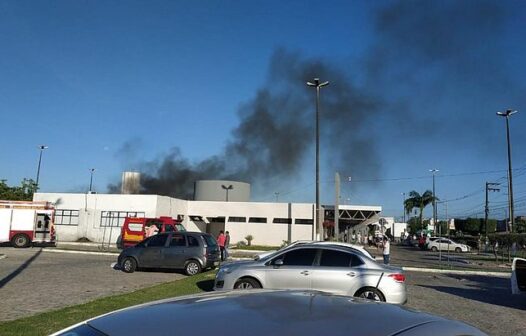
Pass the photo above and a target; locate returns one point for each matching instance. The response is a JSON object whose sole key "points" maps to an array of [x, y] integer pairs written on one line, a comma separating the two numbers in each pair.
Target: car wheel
{"points": [[370, 293], [129, 265], [434, 249], [458, 250], [20, 240], [192, 267], [246, 283]]}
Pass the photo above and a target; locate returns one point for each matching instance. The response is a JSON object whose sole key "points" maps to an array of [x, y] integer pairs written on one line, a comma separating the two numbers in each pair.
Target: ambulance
{"points": [[23, 223]]}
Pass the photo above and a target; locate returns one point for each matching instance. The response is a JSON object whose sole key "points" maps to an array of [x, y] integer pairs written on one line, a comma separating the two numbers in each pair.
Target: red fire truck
{"points": [[135, 229], [23, 223]]}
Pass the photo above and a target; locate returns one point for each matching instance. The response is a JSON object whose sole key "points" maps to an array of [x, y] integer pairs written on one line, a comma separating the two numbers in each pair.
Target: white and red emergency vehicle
{"points": [[23, 223]]}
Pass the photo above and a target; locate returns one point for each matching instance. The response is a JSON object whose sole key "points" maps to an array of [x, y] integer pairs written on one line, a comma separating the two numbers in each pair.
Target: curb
{"points": [[445, 271]]}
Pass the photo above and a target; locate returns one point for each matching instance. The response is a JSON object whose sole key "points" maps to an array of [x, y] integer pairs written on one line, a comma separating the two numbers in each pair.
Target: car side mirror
{"points": [[278, 262]]}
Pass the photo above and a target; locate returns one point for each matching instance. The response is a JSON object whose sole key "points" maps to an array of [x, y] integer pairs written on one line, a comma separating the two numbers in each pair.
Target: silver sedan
{"points": [[328, 268]]}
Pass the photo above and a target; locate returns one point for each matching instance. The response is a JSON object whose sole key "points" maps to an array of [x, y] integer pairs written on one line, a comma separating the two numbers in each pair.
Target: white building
{"points": [[98, 217]]}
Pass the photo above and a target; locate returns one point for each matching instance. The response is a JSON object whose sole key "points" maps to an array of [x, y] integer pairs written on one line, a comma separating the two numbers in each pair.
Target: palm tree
{"points": [[416, 200]]}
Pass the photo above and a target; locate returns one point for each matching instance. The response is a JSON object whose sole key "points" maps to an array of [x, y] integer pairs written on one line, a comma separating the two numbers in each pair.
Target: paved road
{"points": [[34, 281], [482, 301]]}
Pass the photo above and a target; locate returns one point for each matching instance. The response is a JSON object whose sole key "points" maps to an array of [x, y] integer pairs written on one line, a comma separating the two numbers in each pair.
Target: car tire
{"points": [[20, 240], [192, 267], [370, 293], [129, 265], [434, 249], [246, 283], [458, 250]]}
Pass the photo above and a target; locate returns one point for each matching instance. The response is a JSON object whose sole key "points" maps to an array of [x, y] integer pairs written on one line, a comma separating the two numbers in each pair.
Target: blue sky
{"points": [[116, 85]]}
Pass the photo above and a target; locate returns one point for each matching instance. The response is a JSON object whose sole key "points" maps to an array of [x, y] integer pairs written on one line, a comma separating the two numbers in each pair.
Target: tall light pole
{"points": [[434, 198], [507, 114], [227, 188], [317, 84], [91, 179], [41, 147]]}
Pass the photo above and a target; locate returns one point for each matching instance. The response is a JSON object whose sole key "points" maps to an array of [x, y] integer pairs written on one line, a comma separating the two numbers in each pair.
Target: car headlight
{"points": [[226, 270]]}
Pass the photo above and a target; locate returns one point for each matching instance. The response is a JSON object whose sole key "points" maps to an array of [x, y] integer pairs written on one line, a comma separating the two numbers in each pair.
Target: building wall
{"points": [[99, 217]]}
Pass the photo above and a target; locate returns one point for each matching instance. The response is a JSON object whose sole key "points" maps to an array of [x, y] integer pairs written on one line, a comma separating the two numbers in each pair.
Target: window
{"points": [[66, 217], [282, 221], [210, 241], [257, 220], [116, 218], [237, 219], [178, 240], [192, 241], [300, 257], [304, 221], [168, 228], [330, 258], [157, 241]]}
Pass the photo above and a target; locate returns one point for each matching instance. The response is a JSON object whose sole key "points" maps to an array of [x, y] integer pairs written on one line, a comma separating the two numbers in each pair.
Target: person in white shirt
{"points": [[386, 250]]}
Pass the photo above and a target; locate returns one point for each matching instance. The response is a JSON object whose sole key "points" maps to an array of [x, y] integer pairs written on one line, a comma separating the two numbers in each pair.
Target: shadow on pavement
{"points": [[485, 289], [206, 285], [19, 270]]}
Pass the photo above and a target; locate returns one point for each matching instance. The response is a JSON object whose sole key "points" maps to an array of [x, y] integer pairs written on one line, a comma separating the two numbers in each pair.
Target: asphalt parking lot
{"points": [[35, 280]]}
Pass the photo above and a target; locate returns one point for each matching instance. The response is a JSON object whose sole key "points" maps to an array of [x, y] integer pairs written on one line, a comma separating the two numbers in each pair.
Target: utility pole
{"points": [[337, 207], [403, 206], [433, 171], [486, 209]]}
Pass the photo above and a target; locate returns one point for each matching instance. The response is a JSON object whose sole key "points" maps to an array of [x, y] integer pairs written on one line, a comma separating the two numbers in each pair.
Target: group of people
{"points": [[223, 240]]}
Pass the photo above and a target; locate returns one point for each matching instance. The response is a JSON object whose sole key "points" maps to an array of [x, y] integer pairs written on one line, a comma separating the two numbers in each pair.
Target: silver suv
{"points": [[190, 251], [330, 268]]}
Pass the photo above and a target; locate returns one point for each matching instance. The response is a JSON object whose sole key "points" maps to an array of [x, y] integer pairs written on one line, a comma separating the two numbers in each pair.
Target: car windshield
{"points": [[210, 241]]}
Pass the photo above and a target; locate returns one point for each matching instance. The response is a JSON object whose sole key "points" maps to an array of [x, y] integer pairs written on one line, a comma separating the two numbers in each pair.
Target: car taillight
{"points": [[397, 277]]}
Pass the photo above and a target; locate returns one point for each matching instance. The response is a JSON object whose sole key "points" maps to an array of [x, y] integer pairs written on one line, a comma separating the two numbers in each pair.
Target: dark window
{"points": [[210, 241], [330, 258], [304, 221], [66, 217], [168, 228], [178, 240], [257, 219], [282, 221], [157, 240], [116, 218], [356, 261], [192, 241], [216, 219], [237, 219], [301, 257]]}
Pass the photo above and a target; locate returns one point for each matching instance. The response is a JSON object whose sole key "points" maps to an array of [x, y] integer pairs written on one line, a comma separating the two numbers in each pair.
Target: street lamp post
{"points": [[317, 84], [227, 188], [91, 179], [507, 114], [434, 198], [41, 147]]}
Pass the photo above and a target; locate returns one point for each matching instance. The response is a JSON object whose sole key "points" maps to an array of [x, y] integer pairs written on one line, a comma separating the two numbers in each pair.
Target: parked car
{"points": [[264, 313], [135, 229], [191, 251], [518, 276], [330, 268], [358, 248], [445, 244]]}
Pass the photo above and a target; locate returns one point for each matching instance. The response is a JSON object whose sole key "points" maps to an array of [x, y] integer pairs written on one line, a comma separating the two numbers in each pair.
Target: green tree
{"points": [[23, 192], [417, 201]]}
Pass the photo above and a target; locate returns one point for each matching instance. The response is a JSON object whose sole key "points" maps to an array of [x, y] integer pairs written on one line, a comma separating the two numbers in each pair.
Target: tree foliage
{"points": [[417, 201], [23, 192]]}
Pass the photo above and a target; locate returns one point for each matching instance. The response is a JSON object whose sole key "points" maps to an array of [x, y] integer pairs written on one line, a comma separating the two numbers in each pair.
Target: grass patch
{"points": [[49, 322]]}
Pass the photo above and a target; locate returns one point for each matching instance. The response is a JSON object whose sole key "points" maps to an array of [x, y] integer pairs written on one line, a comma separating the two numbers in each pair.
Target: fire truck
{"points": [[135, 229], [23, 223]]}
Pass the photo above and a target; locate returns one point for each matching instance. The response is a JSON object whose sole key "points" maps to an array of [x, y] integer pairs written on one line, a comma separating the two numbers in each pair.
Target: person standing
{"points": [[227, 243], [386, 250], [221, 239]]}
